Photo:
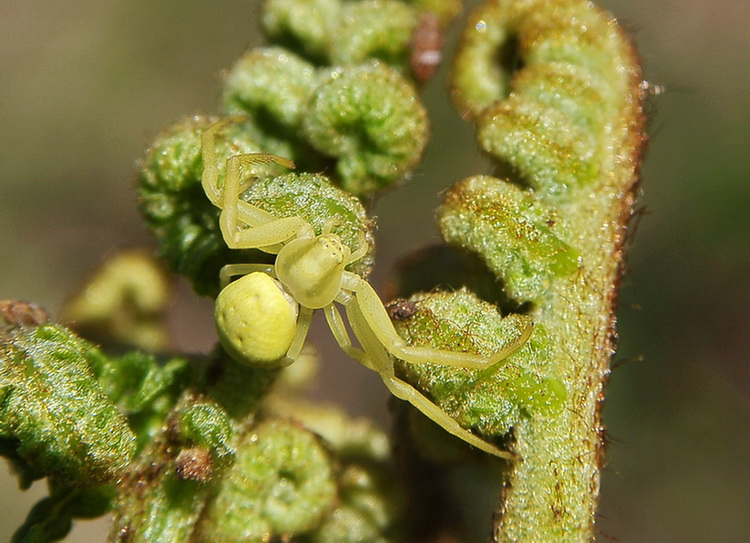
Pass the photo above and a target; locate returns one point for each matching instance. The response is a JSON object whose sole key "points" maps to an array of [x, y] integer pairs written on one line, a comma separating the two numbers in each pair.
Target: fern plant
{"points": [[212, 449]]}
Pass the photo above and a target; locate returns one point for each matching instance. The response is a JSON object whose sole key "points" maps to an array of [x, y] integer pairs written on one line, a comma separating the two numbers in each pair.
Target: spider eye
{"points": [[256, 320], [332, 248]]}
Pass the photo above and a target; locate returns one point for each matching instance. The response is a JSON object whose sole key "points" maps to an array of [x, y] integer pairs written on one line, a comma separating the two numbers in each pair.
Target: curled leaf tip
{"points": [[282, 483], [545, 81], [527, 251], [370, 119], [271, 83]]}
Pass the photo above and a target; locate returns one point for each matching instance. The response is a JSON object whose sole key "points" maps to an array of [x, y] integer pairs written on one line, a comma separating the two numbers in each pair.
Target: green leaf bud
{"points": [[371, 120], [491, 400], [273, 86], [281, 483], [304, 26], [53, 406], [374, 29], [317, 201], [512, 231]]}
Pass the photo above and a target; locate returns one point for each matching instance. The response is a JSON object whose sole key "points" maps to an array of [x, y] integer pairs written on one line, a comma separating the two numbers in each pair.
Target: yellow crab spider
{"points": [[263, 317]]}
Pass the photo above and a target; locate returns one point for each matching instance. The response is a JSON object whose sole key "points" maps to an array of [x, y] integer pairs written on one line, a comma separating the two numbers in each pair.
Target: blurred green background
{"points": [[84, 87]]}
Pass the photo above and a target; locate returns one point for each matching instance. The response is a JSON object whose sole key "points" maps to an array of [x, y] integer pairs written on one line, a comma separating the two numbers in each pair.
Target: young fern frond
{"points": [[203, 449]]}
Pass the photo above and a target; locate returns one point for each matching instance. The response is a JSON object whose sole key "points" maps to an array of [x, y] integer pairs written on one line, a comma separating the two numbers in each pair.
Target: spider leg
{"points": [[265, 230], [266, 237], [330, 223], [376, 317], [210, 177], [303, 326], [338, 328], [251, 215], [362, 249], [231, 270], [404, 391], [243, 225], [241, 174], [379, 360]]}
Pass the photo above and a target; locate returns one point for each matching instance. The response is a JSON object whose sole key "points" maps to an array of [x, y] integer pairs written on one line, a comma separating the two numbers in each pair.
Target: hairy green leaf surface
{"points": [[54, 410]]}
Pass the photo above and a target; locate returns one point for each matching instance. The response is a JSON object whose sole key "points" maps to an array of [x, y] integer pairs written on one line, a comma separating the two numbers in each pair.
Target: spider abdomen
{"points": [[256, 320]]}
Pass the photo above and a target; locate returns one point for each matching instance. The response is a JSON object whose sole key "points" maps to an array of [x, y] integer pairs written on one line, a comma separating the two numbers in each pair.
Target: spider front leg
{"points": [[267, 237], [338, 329], [376, 317], [244, 225], [238, 218], [375, 356], [210, 177]]}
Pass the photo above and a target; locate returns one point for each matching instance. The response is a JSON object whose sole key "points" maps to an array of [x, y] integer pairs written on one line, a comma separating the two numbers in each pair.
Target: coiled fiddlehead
{"points": [[554, 89]]}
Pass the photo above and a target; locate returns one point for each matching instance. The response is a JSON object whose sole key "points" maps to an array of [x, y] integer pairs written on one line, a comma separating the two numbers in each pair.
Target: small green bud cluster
{"points": [[352, 100], [331, 92], [223, 479], [53, 407], [282, 483], [77, 416], [493, 400]]}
